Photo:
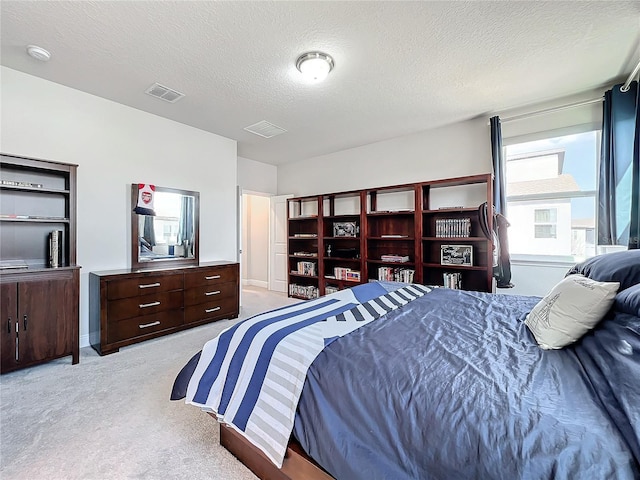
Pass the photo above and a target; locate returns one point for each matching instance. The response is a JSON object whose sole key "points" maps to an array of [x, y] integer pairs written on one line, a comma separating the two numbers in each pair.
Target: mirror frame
{"points": [[136, 264]]}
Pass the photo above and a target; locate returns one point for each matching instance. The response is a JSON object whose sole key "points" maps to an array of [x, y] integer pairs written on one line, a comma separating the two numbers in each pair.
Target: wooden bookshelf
{"points": [[356, 229]]}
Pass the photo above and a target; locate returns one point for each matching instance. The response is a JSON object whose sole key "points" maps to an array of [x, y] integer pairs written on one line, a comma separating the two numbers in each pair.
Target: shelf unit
{"points": [[304, 217], [343, 241], [392, 228], [392, 220], [470, 192], [39, 303]]}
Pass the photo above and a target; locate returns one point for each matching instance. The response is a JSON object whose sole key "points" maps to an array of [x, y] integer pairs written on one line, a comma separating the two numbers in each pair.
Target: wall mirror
{"points": [[172, 236]]}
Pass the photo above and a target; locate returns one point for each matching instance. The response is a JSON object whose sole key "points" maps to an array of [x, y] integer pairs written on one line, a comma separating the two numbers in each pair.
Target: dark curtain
{"points": [[149, 234], [634, 230], [499, 202], [619, 173], [185, 227]]}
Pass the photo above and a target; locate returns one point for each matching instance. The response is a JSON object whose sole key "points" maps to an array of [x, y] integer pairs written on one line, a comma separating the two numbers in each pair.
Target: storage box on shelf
{"points": [[451, 227], [39, 283]]}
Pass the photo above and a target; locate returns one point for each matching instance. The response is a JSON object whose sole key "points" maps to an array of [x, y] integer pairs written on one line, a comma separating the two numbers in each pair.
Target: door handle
{"points": [[17, 341], [209, 310], [152, 304], [212, 277], [147, 325], [9, 325], [212, 293], [25, 322], [149, 285]]}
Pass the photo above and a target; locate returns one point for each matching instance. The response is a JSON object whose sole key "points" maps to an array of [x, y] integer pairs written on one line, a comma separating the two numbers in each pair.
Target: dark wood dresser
{"points": [[130, 306]]}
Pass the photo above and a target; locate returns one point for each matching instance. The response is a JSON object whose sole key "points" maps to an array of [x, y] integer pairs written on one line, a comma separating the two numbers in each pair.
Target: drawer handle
{"points": [[209, 310], [152, 304], [212, 277], [149, 285], [212, 293], [147, 325]]}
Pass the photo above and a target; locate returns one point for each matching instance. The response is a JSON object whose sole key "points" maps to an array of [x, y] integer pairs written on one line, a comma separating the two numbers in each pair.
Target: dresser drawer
{"points": [[144, 325], [210, 276], [220, 308], [143, 305], [209, 293], [133, 287]]}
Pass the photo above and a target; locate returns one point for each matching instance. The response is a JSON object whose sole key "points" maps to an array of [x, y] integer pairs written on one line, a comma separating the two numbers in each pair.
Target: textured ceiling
{"points": [[401, 67]]}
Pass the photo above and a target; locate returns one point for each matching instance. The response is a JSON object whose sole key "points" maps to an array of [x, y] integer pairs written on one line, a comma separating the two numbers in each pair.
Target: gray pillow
{"points": [[572, 308]]}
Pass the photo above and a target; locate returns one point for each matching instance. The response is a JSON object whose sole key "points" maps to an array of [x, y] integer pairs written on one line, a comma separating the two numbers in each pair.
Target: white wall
{"points": [[114, 146], [455, 150], [257, 176]]}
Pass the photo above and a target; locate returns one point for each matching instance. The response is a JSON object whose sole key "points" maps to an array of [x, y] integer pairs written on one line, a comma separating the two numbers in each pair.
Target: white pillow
{"points": [[572, 308]]}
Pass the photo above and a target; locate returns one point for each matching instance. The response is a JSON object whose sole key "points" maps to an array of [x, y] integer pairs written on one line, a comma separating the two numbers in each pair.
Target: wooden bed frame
{"points": [[297, 465]]}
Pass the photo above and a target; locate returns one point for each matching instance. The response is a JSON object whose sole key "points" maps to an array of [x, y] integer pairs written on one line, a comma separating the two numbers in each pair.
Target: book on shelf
{"points": [[394, 236], [453, 227], [392, 257], [452, 280], [305, 235], [307, 268], [13, 183], [12, 264], [396, 274], [305, 254], [304, 291]]}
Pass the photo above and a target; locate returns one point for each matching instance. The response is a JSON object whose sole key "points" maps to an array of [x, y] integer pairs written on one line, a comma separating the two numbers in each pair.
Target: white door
{"points": [[278, 243]]}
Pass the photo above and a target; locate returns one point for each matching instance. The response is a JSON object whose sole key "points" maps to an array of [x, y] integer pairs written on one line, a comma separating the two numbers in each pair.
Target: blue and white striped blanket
{"points": [[251, 375]]}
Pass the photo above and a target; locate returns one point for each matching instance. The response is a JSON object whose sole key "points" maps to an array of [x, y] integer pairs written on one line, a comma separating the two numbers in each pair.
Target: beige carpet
{"points": [[111, 418]]}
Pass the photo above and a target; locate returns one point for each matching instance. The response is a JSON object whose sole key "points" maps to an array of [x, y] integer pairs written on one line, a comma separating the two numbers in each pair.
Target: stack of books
{"points": [[389, 274], [453, 227], [304, 291], [392, 257], [307, 268], [344, 273], [452, 280]]}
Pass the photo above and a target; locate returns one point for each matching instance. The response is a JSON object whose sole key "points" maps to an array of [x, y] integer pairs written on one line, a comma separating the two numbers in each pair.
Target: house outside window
{"points": [[551, 197]]}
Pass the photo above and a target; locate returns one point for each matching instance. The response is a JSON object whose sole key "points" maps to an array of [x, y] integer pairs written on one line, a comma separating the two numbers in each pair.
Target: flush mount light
{"points": [[315, 66], [38, 53]]}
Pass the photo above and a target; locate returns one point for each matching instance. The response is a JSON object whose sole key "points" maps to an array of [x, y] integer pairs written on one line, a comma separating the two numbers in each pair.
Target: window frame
{"points": [[552, 259]]}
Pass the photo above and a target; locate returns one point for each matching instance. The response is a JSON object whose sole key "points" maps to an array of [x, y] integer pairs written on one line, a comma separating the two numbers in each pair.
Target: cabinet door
{"points": [[44, 313], [9, 309]]}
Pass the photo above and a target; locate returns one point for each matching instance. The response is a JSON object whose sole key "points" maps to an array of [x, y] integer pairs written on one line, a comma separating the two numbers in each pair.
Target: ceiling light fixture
{"points": [[38, 53], [315, 66]]}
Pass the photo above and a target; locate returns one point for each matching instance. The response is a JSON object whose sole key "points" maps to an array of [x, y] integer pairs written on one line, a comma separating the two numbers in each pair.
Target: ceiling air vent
{"points": [[265, 129], [164, 93]]}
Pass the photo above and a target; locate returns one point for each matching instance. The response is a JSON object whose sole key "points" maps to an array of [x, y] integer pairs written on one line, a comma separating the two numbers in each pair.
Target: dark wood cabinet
{"points": [[130, 306], [392, 233], [40, 317], [40, 294]]}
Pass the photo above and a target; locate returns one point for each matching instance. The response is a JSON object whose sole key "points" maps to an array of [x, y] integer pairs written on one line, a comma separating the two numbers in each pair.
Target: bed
{"points": [[453, 384]]}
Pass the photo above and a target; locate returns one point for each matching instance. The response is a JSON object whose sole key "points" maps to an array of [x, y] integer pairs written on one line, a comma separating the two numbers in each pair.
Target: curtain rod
{"points": [[548, 110], [625, 87]]}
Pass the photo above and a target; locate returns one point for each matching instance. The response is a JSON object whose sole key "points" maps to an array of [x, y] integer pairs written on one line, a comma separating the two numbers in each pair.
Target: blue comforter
{"points": [[454, 386]]}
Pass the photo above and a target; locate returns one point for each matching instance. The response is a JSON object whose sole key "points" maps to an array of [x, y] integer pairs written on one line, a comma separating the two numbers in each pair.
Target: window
{"points": [[545, 222], [551, 197]]}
